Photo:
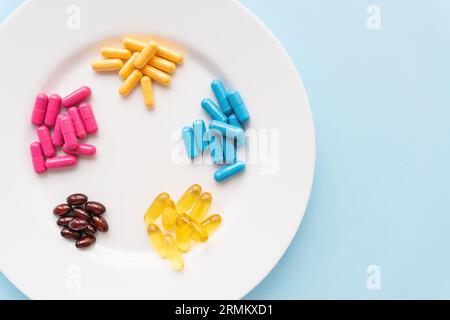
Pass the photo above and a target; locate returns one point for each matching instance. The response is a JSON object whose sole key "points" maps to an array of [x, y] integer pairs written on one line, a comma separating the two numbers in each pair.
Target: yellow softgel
{"points": [[115, 53], [163, 64], [147, 91], [157, 75], [107, 65], [202, 206], [188, 199], [183, 235], [146, 54], [211, 223], [199, 233], [130, 83], [169, 215], [173, 254], [155, 209], [156, 238], [128, 67]]}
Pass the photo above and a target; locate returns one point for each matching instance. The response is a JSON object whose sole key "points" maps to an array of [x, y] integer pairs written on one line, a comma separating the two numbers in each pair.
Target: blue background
{"points": [[381, 107]]}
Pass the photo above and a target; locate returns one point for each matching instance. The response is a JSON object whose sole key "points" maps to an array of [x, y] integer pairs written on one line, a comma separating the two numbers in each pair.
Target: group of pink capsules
{"points": [[68, 128]]}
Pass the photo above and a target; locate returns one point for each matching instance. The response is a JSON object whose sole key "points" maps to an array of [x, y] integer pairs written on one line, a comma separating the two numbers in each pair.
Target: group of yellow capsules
{"points": [[142, 62], [185, 219]]}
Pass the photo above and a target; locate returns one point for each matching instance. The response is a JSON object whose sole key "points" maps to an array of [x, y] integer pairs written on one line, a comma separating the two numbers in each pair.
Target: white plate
{"points": [[138, 155]]}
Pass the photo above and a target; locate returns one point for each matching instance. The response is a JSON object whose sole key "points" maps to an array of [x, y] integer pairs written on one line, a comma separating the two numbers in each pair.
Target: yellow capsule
{"points": [[202, 206], [128, 67], [146, 54], [156, 238], [199, 233], [130, 83], [147, 91], [134, 44], [157, 75], [173, 254], [169, 215], [115, 53], [155, 209], [169, 54], [162, 64], [107, 65], [188, 199], [212, 223], [183, 234]]}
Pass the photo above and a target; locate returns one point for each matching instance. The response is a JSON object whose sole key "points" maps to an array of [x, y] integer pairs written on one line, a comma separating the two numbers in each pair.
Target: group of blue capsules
{"points": [[226, 131]]}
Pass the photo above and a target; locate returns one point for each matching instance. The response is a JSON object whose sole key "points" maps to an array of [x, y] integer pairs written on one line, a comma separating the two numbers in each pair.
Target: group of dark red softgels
{"points": [[81, 219]]}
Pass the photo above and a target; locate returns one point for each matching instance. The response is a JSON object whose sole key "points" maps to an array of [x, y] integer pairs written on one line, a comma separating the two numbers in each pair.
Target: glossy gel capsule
{"points": [[54, 104], [156, 238], [182, 234], [221, 96], [39, 109], [45, 139], [37, 157], [173, 254], [212, 223], [76, 97], [201, 207], [60, 162], [169, 215], [74, 114], [214, 111], [88, 117], [188, 198], [156, 207]]}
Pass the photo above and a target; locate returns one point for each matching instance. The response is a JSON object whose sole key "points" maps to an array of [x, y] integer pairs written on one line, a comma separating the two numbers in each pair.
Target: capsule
{"points": [[200, 135], [229, 150], [80, 213], [183, 235], [54, 104], [115, 53], [82, 149], [163, 64], [37, 157], [85, 241], [169, 215], [146, 54], [238, 105], [95, 207], [76, 97], [130, 83], [199, 233], [57, 138], [216, 147], [155, 209], [232, 120], [188, 199], [78, 224], [45, 139], [100, 223], [221, 96], [80, 130], [134, 44], [157, 75], [187, 133], [147, 91], [68, 132], [87, 115], [156, 238], [170, 55], [60, 162], [173, 254], [214, 111], [39, 109], [70, 234], [229, 171], [107, 65], [128, 67], [77, 199], [212, 223], [201, 207], [227, 130]]}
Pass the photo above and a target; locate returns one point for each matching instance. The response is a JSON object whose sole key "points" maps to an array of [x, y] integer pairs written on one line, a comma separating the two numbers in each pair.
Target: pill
{"points": [[156, 238], [147, 91], [76, 97], [130, 83], [128, 67], [232, 119], [212, 223], [77, 199], [200, 136], [188, 199], [81, 213], [162, 64], [70, 234], [60, 162], [107, 65], [58, 139], [155, 209], [229, 171], [78, 224], [37, 157], [146, 54], [85, 241], [82, 149], [62, 209], [87, 115], [183, 235], [68, 132], [221, 96], [173, 254], [170, 55], [169, 215], [115, 53], [187, 134], [214, 111], [157, 75], [133, 44], [45, 139], [202, 206], [227, 130], [95, 207], [54, 104], [90, 230], [39, 109], [229, 150], [100, 223], [64, 221], [216, 148], [78, 124], [199, 233], [238, 105]]}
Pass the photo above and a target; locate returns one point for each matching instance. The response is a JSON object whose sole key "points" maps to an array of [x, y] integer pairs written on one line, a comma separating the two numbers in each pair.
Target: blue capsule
{"points": [[229, 150], [215, 144], [229, 171], [227, 130], [232, 120], [187, 134], [238, 106], [221, 96], [214, 111], [201, 139]]}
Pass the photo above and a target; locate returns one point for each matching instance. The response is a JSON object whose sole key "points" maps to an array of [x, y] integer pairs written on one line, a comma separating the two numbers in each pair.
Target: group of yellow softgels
{"points": [[184, 222], [142, 62]]}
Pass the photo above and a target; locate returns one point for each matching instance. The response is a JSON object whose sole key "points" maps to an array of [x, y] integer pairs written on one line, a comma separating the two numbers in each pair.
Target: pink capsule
{"points": [[60, 162], [58, 139], [45, 139], [54, 103], [83, 149], [74, 114], [40, 107], [37, 156], [76, 97], [88, 118], [68, 132]]}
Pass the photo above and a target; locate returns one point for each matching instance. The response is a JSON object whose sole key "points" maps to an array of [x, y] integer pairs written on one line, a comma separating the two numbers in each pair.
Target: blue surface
{"points": [[381, 106]]}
